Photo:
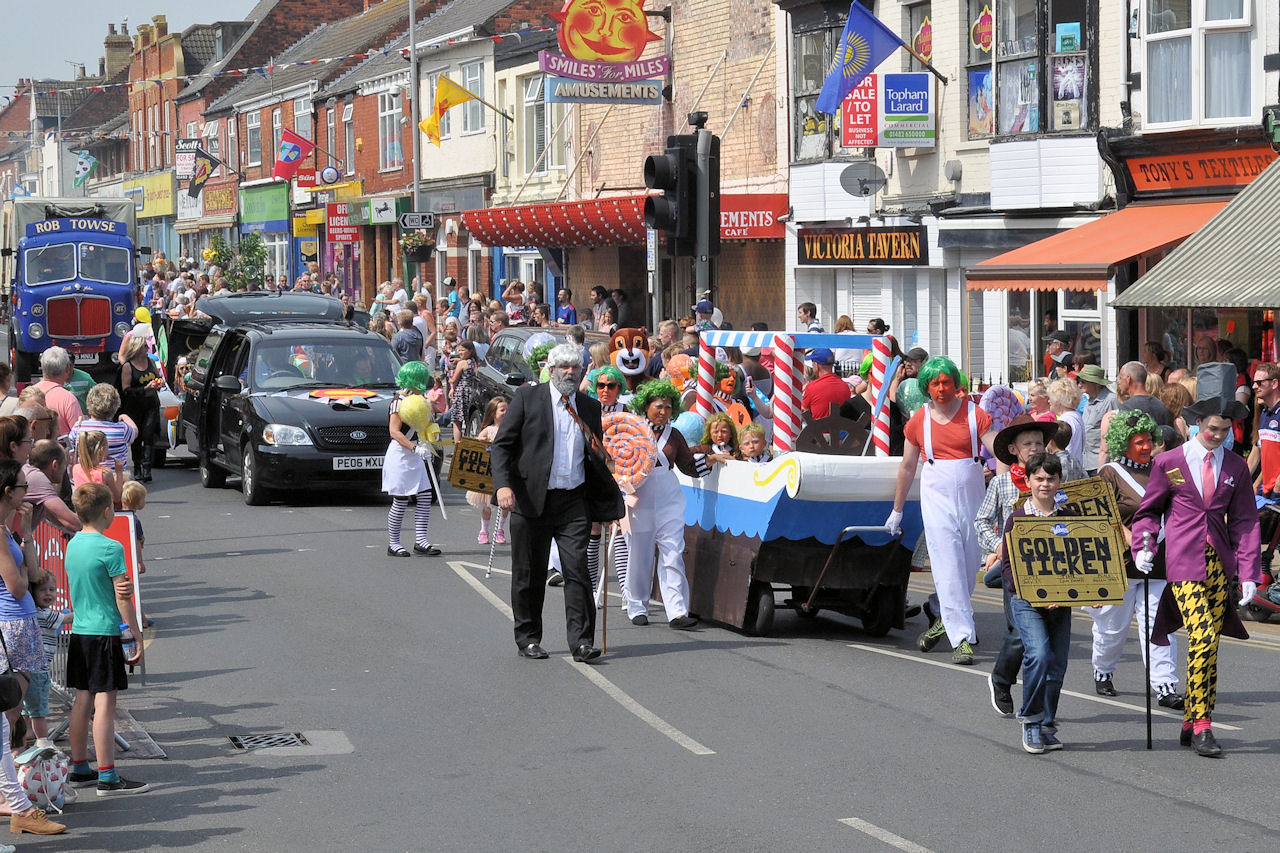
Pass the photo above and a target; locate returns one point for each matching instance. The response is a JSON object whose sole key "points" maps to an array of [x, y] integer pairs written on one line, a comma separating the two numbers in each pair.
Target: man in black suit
{"points": [[550, 473]]}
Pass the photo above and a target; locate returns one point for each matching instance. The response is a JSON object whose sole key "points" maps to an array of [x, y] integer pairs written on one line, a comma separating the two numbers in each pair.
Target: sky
{"points": [[78, 28]]}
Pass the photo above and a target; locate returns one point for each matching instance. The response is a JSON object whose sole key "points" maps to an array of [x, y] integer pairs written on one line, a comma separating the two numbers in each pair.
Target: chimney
{"points": [[102, 66], [161, 25], [144, 36], [117, 50]]}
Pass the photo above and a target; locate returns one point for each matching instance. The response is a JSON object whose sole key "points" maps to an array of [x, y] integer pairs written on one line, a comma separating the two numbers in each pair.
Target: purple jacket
{"points": [[1230, 523]]}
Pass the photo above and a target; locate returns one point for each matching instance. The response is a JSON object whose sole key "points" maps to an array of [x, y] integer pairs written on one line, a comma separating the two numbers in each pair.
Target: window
{"points": [[390, 150], [919, 35], [253, 139], [191, 129], [151, 137], [506, 147], [540, 124], [1199, 60], [330, 135], [213, 140], [166, 144], [981, 80], [302, 117], [233, 149], [816, 134], [277, 132], [350, 126], [473, 110]]}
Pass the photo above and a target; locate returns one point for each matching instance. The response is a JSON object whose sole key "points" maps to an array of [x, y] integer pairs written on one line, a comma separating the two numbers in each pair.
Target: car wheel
{"points": [[254, 494], [211, 476], [473, 423]]}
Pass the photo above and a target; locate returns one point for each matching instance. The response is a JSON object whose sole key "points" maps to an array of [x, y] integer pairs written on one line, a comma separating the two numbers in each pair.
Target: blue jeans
{"points": [[1046, 642], [1009, 661]]}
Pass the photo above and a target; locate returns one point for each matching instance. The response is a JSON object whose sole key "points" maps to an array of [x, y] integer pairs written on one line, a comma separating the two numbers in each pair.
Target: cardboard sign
{"points": [[1066, 560], [470, 469], [1089, 497]]}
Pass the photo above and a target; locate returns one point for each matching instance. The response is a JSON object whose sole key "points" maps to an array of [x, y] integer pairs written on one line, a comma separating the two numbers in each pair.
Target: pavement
{"points": [[425, 732]]}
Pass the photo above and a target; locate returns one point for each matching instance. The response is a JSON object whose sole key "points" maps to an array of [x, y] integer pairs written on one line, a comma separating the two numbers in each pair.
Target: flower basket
{"points": [[420, 255], [417, 246]]}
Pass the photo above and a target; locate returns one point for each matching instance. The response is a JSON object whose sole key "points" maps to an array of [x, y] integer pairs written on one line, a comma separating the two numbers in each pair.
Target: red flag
{"points": [[293, 150]]}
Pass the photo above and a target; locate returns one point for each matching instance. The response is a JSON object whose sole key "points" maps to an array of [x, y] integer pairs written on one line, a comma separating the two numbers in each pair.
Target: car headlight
{"points": [[123, 329], [35, 330], [37, 310], [285, 435]]}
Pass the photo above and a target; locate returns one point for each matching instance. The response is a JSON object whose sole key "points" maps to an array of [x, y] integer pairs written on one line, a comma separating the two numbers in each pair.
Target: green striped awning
{"points": [[1233, 261]]}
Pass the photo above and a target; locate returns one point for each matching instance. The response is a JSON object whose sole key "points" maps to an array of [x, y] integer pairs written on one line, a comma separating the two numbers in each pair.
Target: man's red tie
{"points": [[1207, 482], [593, 443]]}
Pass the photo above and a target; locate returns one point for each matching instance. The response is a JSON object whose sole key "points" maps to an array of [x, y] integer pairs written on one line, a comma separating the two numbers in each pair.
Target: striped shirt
{"points": [[119, 436]]}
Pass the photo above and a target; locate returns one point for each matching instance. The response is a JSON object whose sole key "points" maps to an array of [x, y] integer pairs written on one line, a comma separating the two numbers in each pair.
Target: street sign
{"points": [[418, 220]]}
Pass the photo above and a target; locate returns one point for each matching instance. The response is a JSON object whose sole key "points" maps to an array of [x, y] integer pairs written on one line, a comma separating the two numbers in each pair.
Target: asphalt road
{"points": [[430, 734]]}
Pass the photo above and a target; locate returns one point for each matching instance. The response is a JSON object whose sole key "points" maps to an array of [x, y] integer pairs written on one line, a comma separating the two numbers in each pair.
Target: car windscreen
{"points": [[278, 366], [49, 264], [108, 264]]}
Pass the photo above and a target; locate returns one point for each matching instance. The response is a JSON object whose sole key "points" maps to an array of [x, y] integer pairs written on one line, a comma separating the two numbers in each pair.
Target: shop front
{"points": [[154, 202], [342, 251], [264, 210], [219, 216]]}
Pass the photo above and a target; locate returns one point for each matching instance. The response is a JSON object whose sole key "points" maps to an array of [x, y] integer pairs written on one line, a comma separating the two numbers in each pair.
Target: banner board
{"points": [[1066, 560], [470, 469]]}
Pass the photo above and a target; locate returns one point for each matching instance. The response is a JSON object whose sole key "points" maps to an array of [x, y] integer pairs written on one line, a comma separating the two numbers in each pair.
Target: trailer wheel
{"points": [[23, 363], [880, 616], [760, 609]]}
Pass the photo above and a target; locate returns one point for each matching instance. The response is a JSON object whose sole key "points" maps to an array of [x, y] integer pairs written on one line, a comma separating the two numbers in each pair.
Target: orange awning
{"points": [[1082, 258], [615, 220]]}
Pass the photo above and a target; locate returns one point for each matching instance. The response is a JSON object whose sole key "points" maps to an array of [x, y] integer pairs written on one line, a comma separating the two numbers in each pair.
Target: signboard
{"points": [[752, 216], [219, 201], [411, 221], [566, 90], [1066, 560], [1090, 497], [184, 158], [860, 115], [583, 69], [382, 210], [264, 208], [189, 208], [863, 247], [1232, 168], [470, 469], [337, 225], [152, 195], [890, 111]]}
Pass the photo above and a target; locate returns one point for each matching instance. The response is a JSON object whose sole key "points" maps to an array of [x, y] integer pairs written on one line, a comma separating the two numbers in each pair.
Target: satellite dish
{"points": [[863, 178]]}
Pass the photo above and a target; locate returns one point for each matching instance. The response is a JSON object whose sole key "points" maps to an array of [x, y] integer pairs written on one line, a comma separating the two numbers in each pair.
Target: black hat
{"points": [[1216, 393], [919, 354], [1061, 337], [1064, 358], [1021, 424]]}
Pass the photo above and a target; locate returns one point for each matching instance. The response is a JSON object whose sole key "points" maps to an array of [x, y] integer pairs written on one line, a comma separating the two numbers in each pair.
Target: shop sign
{"points": [[189, 208], [338, 227], [304, 227], [566, 90], [890, 111], [922, 43], [220, 201], [982, 33], [184, 158], [752, 216], [621, 72], [264, 208], [880, 246], [1231, 168], [382, 211], [152, 195], [1066, 560], [601, 45], [303, 184]]}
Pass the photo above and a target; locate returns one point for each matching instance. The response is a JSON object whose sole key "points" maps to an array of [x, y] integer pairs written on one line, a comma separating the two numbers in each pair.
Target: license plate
{"points": [[356, 463], [86, 358]]}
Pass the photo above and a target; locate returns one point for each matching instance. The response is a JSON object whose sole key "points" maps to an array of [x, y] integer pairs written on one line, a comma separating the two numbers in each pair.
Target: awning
{"points": [[618, 220], [1082, 258], [1231, 262]]}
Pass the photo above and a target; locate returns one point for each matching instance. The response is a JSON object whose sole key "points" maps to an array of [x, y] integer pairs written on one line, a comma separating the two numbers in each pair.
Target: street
{"points": [[427, 732]]}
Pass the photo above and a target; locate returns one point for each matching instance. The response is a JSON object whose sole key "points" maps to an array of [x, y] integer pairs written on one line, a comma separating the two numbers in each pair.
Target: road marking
{"points": [[884, 835], [234, 554], [1102, 700], [591, 674]]}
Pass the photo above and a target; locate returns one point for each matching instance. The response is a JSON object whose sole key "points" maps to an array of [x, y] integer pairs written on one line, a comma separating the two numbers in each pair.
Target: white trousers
{"points": [[951, 491], [658, 521], [13, 793], [1111, 629]]}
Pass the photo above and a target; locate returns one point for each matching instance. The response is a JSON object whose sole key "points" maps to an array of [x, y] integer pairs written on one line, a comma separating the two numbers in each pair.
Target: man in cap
{"points": [[911, 362], [825, 392], [1054, 343], [1101, 400], [1204, 496], [1265, 455], [704, 311]]}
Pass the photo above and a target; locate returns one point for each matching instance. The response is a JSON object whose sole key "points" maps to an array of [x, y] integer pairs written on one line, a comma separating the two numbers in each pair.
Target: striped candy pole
{"points": [[706, 378], [786, 398], [880, 354]]}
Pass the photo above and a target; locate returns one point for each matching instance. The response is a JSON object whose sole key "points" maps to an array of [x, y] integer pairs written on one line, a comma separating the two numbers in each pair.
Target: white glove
{"points": [[1247, 590], [423, 450], [894, 523], [1144, 561]]}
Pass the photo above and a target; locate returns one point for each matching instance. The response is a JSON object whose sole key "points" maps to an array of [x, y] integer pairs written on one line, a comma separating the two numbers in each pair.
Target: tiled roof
{"points": [[65, 95], [100, 107], [199, 47], [230, 48]]}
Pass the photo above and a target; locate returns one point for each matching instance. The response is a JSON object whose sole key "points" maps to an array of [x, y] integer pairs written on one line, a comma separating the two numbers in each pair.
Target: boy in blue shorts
{"points": [[101, 594]]}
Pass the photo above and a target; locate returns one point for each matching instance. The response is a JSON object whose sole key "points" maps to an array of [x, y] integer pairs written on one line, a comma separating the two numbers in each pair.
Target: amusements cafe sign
{"points": [[601, 44], [842, 247]]}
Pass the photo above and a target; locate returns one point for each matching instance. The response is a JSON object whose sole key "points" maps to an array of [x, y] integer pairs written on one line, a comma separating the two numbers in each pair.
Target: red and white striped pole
{"points": [[786, 398], [706, 378], [880, 357]]}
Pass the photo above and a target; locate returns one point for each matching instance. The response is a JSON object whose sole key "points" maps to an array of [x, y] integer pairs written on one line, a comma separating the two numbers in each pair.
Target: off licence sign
{"points": [[338, 227]]}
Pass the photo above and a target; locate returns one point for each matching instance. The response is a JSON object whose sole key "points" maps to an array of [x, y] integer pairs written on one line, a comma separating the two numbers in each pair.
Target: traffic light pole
{"points": [[702, 256]]}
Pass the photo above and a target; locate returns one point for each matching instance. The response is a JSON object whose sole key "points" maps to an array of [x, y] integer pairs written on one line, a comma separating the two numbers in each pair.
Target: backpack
{"points": [[42, 773]]}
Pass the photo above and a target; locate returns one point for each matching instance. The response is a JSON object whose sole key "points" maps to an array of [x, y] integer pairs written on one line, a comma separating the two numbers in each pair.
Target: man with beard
{"points": [[550, 473]]}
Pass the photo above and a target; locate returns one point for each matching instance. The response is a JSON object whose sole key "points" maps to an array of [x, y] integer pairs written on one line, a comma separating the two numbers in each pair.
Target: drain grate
{"points": [[269, 740]]}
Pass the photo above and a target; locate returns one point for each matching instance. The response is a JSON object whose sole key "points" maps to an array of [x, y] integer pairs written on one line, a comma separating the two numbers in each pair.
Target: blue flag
{"points": [[864, 44]]}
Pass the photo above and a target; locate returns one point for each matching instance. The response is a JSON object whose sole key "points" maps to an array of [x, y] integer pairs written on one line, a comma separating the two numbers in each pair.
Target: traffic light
{"points": [[711, 203], [675, 211]]}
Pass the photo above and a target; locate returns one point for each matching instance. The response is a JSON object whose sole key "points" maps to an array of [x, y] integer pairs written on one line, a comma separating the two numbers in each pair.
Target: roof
{"points": [[65, 95], [199, 47], [103, 107], [1233, 261], [1082, 257], [266, 305]]}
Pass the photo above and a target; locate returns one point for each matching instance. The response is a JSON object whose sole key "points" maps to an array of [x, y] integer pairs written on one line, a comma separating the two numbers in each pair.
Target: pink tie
{"points": [[1207, 482]]}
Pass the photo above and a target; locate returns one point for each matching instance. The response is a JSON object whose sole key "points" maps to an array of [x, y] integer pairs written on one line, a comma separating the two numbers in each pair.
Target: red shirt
{"points": [[950, 440], [823, 395]]}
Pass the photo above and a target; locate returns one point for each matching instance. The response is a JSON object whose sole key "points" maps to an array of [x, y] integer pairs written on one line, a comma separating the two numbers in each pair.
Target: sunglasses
{"points": [[1261, 381], [607, 385], [19, 486]]}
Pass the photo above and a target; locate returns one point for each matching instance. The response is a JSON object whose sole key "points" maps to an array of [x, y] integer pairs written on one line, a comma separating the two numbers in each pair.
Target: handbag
{"points": [[11, 688]]}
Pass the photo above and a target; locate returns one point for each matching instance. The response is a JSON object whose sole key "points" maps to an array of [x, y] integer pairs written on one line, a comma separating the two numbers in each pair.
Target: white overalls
{"points": [[657, 519], [951, 491], [1111, 622]]}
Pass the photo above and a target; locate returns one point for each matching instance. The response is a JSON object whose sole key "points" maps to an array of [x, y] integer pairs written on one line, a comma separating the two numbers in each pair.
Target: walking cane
{"points": [[1146, 632], [602, 590], [493, 540]]}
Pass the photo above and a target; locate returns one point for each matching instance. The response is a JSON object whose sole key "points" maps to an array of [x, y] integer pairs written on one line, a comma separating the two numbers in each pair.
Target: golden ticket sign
{"points": [[1067, 560], [842, 247], [1090, 496], [470, 469]]}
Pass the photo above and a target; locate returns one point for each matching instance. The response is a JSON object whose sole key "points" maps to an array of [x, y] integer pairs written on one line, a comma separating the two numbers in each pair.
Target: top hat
{"points": [[1216, 393]]}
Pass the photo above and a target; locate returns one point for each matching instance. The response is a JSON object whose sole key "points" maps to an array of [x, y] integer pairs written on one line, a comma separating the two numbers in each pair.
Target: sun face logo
{"points": [[604, 30], [853, 55]]}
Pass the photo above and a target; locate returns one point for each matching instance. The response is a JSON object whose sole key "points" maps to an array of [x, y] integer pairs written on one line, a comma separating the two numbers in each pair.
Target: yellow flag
{"points": [[448, 94]]}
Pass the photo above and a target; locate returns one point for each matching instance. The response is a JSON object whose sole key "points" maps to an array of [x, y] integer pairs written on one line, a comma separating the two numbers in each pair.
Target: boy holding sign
{"points": [[1045, 629]]}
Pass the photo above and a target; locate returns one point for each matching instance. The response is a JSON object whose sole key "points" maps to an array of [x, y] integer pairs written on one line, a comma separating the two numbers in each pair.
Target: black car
{"points": [[290, 404]]}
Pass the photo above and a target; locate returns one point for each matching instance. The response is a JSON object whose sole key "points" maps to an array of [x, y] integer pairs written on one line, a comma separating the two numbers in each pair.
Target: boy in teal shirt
{"points": [[101, 594]]}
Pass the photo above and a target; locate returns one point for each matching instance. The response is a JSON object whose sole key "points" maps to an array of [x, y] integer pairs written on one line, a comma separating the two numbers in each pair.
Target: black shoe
{"points": [[1001, 697], [683, 623], [533, 650], [1173, 701], [1204, 744], [640, 619], [1184, 737], [122, 788], [585, 653], [82, 780], [429, 550], [555, 578], [1104, 687], [913, 610], [397, 552]]}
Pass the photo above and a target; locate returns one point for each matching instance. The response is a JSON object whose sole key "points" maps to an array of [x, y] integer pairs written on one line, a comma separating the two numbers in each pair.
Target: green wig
{"points": [[652, 390], [539, 355], [1124, 426], [414, 376], [608, 370], [940, 365]]}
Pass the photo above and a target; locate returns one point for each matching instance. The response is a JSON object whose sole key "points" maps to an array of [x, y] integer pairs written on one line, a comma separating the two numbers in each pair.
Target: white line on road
{"points": [[612, 690], [884, 835], [947, 665]]}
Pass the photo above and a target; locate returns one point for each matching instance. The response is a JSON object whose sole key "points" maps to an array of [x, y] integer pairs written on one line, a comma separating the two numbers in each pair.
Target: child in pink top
{"points": [[92, 450]]}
